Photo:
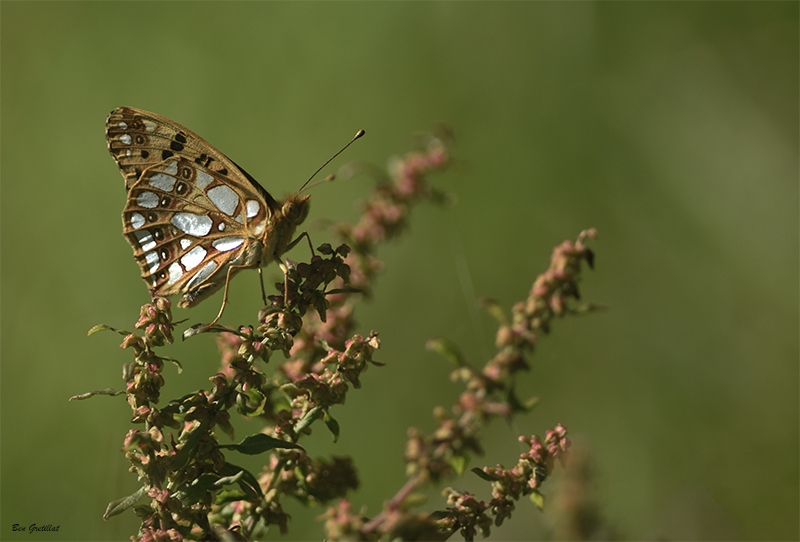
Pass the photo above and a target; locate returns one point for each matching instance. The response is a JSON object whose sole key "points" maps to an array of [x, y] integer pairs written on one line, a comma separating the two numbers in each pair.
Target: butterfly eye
{"points": [[296, 211]]}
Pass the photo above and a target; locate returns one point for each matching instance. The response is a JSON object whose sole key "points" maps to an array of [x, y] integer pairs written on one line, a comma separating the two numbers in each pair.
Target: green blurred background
{"points": [[672, 128]]}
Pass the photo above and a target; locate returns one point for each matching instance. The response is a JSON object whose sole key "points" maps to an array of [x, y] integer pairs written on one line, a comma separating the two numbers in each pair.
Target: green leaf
{"points": [[447, 350], [260, 443], [228, 496], [520, 406], [143, 510], [103, 327], [459, 463], [253, 396], [538, 499], [587, 308], [120, 505], [415, 499], [192, 492], [493, 308], [179, 406], [485, 475], [343, 291], [301, 480], [107, 391], [189, 447], [197, 329], [226, 480], [289, 388], [176, 362], [308, 419], [247, 482], [333, 426]]}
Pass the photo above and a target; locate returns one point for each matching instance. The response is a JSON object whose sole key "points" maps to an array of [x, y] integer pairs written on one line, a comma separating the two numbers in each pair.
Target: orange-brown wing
{"points": [[188, 224], [139, 139], [191, 212]]}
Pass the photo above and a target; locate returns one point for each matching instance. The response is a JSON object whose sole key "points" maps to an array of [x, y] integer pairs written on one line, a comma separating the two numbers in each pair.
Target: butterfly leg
{"points": [[225, 293], [263, 292], [293, 243]]}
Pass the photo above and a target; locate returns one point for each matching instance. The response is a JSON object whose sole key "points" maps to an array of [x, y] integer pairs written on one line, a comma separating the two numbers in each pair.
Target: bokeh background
{"points": [[672, 128]]}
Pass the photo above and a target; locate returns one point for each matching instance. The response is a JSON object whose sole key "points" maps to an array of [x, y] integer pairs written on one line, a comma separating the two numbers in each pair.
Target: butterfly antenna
{"points": [[327, 179], [359, 134]]}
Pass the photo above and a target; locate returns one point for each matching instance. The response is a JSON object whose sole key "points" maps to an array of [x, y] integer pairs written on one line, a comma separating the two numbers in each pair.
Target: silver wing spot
{"points": [[192, 259], [224, 198], [175, 272], [152, 260], [148, 200], [145, 238], [197, 225], [203, 180], [252, 208], [227, 243], [137, 220], [202, 275], [165, 181]]}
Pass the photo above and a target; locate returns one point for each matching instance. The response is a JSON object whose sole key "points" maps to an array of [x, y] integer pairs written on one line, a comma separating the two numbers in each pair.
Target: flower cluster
{"points": [[322, 361], [489, 393], [289, 472], [385, 213], [162, 462], [143, 376], [195, 493], [342, 523], [508, 485], [192, 463]]}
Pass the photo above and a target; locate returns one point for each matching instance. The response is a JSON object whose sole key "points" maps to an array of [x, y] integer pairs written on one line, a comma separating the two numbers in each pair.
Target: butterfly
{"points": [[194, 217]]}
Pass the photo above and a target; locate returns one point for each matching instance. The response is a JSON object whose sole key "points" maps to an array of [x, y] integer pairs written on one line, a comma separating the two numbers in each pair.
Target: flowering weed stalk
{"points": [[195, 492]]}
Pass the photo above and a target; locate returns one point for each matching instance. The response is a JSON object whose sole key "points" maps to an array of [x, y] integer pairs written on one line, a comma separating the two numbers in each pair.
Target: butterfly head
{"points": [[295, 209]]}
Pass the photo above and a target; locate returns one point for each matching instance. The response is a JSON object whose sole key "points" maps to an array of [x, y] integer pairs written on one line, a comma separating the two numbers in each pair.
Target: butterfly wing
{"points": [[139, 139], [187, 226], [191, 213]]}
